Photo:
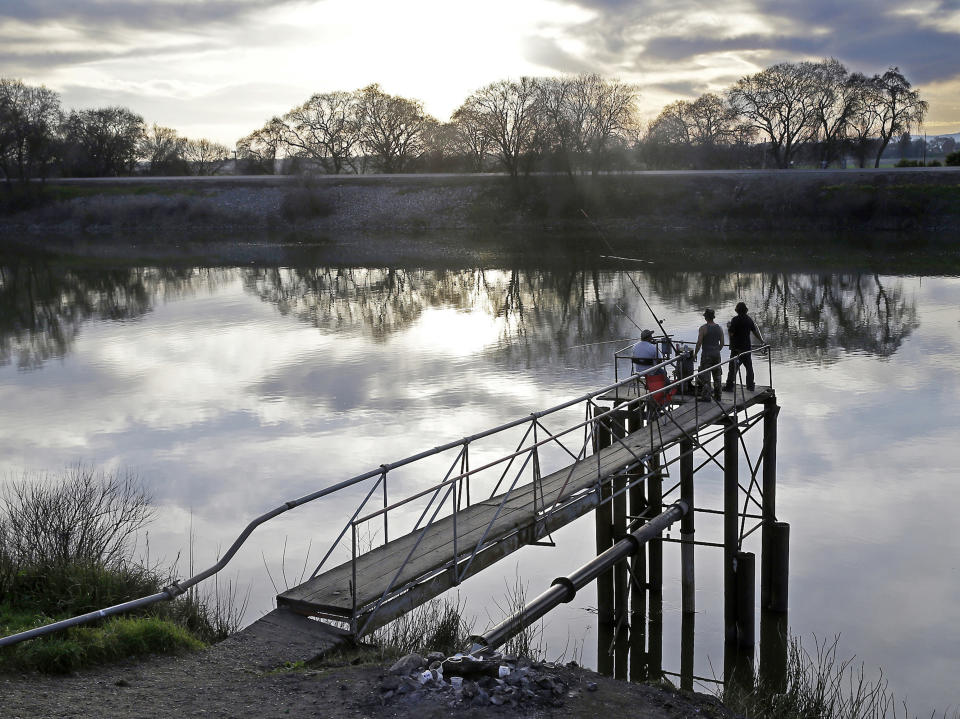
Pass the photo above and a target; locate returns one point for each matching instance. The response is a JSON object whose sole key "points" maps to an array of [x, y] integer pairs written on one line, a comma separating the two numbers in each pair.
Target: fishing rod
{"points": [[605, 342], [635, 286], [629, 259]]}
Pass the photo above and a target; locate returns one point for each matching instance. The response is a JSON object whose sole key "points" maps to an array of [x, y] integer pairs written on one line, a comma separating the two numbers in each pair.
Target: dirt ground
{"points": [[202, 685], [287, 665]]}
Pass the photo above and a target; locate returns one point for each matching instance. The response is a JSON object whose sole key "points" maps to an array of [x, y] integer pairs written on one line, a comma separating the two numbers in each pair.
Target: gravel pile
{"points": [[468, 680]]}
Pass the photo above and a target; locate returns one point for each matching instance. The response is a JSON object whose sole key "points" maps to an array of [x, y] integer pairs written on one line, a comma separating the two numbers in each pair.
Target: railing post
{"points": [[386, 534], [687, 573], [638, 592], [731, 489], [353, 582], [621, 589], [655, 568], [604, 535]]}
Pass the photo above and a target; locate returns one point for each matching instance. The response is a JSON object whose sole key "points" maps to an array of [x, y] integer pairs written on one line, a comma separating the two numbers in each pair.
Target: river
{"points": [[227, 390]]}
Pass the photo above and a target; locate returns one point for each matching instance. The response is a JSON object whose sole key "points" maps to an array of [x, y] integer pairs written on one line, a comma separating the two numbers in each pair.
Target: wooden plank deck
{"points": [[419, 559]]}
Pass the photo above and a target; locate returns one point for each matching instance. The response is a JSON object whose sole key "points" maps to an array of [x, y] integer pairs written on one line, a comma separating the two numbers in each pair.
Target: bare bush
{"points": [[82, 517]]}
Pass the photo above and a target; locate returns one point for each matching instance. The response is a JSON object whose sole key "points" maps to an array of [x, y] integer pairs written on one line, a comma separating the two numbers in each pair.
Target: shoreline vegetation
{"points": [[838, 216], [68, 546]]}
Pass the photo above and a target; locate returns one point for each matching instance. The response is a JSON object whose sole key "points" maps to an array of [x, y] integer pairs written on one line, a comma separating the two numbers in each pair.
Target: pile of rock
{"points": [[497, 679]]}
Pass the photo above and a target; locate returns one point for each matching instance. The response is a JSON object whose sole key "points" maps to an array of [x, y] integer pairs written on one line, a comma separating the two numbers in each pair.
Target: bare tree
{"points": [[471, 138], [507, 112], [392, 128], [441, 147], [863, 124], [778, 102], [559, 119], [898, 107], [711, 121], [162, 148], [325, 128], [836, 97], [205, 156], [612, 107], [691, 133], [29, 118], [102, 142], [257, 152], [668, 141]]}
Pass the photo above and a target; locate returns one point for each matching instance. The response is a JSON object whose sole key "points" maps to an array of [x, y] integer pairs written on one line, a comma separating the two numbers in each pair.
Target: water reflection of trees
{"points": [[546, 314], [812, 317], [43, 306], [379, 302], [808, 317]]}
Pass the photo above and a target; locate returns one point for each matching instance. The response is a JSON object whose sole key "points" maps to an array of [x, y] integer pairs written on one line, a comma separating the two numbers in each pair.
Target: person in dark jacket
{"points": [[740, 329], [710, 339]]}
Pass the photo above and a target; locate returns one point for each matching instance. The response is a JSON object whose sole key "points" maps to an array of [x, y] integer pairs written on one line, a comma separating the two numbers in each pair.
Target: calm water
{"points": [[230, 390]]}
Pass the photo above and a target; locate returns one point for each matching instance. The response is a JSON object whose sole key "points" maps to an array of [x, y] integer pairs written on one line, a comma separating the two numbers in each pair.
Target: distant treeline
{"points": [[812, 112]]}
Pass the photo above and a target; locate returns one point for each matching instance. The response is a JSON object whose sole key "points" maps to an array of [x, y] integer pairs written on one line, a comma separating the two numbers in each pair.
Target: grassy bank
{"points": [[621, 205], [67, 547]]}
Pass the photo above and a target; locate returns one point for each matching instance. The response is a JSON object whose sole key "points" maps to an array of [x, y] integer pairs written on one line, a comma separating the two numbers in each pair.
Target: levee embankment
{"points": [[374, 217]]}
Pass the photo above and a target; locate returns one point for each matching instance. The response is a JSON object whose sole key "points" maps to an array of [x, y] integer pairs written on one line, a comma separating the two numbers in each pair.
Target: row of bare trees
{"points": [[582, 123], [818, 108], [38, 138], [573, 121]]}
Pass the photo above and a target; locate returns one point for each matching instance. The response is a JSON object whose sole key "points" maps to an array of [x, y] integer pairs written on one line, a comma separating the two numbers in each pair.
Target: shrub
{"points": [[952, 159], [66, 548]]}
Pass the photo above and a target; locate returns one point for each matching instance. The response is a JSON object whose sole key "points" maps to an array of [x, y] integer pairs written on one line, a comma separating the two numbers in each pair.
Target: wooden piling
{"points": [[687, 634], [773, 651], [769, 503], [746, 600], [778, 546]]}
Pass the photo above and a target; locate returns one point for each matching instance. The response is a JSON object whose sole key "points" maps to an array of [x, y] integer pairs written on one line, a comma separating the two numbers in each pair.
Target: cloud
{"points": [[547, 52], [139, 14]]}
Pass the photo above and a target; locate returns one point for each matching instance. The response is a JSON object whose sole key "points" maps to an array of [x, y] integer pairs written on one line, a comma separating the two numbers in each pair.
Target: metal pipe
{"points": [[564, 589], [83, 619]]}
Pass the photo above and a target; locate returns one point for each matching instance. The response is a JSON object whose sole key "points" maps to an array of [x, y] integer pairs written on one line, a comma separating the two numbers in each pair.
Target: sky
{"points": [[221, 68]]}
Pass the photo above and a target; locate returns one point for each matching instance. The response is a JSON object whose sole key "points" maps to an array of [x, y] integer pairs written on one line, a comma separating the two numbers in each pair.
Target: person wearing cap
{"points": [[645, 354], [710, 340], [741, 328]]}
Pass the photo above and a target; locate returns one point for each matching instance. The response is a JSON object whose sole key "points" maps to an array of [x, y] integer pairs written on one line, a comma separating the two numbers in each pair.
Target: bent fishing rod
{"points": [[634, 283]]}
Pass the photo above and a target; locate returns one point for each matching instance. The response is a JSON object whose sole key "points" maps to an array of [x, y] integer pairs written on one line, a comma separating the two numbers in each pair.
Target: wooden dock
{"points": [[389, 580]]}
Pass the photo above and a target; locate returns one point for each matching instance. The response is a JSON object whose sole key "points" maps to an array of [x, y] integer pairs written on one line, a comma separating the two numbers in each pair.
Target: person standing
{"points": [[710, 340], [741, 327]]}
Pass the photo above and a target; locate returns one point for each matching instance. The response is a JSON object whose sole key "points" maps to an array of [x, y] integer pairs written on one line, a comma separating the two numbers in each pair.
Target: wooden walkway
{"points": [[422, 563]]}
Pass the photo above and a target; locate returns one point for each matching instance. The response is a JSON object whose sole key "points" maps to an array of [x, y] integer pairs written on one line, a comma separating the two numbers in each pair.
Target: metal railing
{"points": [[458, 487]]}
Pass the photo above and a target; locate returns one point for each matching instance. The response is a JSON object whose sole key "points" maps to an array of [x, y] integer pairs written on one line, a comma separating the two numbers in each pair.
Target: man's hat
{"points": [[646, 335]]}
